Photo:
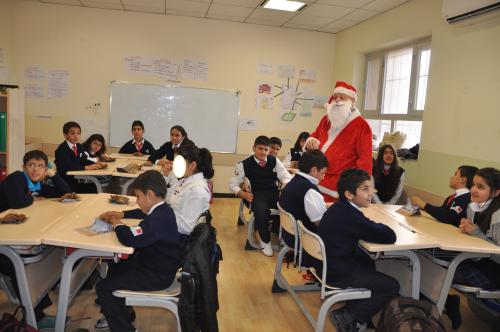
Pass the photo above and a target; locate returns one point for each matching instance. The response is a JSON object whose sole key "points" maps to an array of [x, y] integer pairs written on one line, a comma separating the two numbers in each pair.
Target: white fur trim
{"points": [[345, 91], [332, 134], [309, 139]]}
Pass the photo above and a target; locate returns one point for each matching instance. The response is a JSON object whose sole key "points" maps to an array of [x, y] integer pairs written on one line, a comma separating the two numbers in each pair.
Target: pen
{"points": [[407, 227]]}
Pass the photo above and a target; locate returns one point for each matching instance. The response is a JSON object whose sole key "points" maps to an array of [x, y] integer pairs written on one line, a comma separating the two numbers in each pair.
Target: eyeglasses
{"points": [[35, 166]]}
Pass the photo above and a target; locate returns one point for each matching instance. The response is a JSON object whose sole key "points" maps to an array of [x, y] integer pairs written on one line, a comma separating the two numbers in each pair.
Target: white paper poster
{"points": [[201, 71], [264, 102], [34, 73], [58, 83], [248, 124], [166, 68], [286, 71], [264, 88], [320, 101], [307, 75], [188, 69], [138, 64], [194, 70], [34, 90], [288, 99], [264, 68]]}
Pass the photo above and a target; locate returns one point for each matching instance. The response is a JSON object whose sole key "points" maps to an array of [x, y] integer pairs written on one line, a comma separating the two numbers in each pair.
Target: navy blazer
{"points": [[129, 147], [167, 150]]}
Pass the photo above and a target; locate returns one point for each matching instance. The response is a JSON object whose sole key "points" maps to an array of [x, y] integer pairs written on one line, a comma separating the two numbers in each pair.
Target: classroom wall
{"points": [[462, 116], [92, 43]]}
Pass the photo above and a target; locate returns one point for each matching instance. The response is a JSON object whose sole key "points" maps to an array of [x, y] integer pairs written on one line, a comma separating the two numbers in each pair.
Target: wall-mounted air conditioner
{"points": [[458, 10]]}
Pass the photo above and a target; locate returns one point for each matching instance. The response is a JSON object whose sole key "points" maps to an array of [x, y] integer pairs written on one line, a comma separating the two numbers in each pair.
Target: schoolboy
{"points": [[274, 146], [138, 145], [69, 158], [156, 258], [454, 207], [343, 225], [19, 190], [264, 171]]}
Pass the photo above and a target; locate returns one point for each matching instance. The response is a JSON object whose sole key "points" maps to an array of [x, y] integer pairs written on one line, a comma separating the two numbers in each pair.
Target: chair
{"points": [[314, 246], [166, 299], [474, 296], [241, 212]]}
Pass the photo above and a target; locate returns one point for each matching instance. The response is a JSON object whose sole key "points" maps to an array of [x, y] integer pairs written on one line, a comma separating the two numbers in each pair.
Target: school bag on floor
{"points": [[9, 322], [409, 315]]}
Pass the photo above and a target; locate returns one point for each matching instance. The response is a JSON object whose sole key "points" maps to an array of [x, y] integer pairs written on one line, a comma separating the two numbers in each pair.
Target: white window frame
{"points": [[412, 114]]}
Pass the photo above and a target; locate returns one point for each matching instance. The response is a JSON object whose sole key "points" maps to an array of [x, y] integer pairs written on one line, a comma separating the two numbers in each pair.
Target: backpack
{"points": [[408, 315], [9, 323], [198, 301]]}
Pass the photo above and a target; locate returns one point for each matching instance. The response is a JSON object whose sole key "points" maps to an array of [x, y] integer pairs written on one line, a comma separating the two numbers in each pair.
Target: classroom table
{"points": [[42, 215], [437, 282], [111, 170], [115, 155], [67, 233]]}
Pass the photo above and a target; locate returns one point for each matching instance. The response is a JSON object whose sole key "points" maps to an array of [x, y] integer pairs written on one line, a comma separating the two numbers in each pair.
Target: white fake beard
{"points": [[338, 113]]}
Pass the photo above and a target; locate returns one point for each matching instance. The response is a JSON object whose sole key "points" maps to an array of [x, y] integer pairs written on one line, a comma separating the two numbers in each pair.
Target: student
{"points": [[178, 137], [343, 225], [69, 158], [95, 150], [483, 221], [301, 197], [20, 190], [454, 206], [295, 153], [155, 261], [138, 145], [264, 172], [388, 176], [274, 146]]}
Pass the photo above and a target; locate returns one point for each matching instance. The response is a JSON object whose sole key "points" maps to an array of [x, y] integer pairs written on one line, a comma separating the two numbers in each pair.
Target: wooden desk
{"points": [[437, 279], [115, 155]]}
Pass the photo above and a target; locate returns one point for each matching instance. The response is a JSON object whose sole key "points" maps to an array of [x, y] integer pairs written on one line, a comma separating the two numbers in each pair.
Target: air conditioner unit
{"points": [[458, 10]]}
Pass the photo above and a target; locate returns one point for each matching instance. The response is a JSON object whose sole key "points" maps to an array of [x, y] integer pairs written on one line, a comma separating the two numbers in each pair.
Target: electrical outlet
{"points": [[95, 107]]}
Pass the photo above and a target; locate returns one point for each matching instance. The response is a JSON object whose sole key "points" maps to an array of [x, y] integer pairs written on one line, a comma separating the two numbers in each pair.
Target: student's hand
{"points": [[466, 226], [415, 200], [312, 145], [137, 153], [50, 172], [246, 196], [167, 168], [147, 163], [110, 215], [113, 221]]}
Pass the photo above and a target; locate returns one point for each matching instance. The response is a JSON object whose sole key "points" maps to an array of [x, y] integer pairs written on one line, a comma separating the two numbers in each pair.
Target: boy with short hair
{"points": [[343, 225], [21, 189], [454, 207], [264, 171], [138, 145], [274, 146], [156, 259], [69, 158]]}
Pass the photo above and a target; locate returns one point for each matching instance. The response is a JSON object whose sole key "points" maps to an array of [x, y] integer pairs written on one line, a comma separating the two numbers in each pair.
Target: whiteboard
{"points": [[210, 116]]}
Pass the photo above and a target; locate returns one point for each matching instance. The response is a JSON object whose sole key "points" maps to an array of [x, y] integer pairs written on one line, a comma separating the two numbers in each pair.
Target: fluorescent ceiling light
{"points": [[289, 6]]}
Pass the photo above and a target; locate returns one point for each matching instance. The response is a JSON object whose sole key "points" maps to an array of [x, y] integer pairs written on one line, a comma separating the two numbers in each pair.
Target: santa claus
{"points": [[343, 136]]}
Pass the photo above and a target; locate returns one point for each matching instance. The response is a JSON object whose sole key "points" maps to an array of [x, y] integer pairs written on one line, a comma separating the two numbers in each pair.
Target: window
{"points": [[396, 89]]}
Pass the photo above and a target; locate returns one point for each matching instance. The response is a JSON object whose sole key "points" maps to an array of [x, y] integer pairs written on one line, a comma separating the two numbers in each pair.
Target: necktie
{"points": [[448, 202], [75, 149], [138, 146], [262, 163]]}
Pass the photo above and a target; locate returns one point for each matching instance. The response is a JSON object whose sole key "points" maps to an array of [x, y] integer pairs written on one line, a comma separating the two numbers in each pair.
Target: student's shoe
{"points": [[49, 322], [342, 320], [101, 324], [266, 248], [452, 307]]}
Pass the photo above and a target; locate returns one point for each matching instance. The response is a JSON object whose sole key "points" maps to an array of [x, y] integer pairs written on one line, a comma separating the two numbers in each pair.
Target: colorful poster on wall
{"points": [[307, 76], [265, 68], [264, 102], [286, 71], [264, 88]]}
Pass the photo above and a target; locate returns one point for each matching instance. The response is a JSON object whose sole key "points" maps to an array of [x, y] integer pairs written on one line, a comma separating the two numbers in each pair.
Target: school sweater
{"points": [[341, 228], [387, 184], [14, 192], [450, 213], [295, 154], [155, 240], [261, 178], [129, 147], [292, 200], [167, 150], [66, 161]]}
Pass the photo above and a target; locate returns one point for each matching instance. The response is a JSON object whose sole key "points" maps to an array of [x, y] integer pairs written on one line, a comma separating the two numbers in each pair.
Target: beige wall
{"points": [[462, 115], [91, 44]]}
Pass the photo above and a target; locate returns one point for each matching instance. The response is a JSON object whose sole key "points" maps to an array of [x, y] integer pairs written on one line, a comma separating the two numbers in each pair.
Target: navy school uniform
{"points": [[15, 194], [152, 266], [129, 147], [167, 150], [453, 209], [296, 154], [66, 160], [341, 228]]}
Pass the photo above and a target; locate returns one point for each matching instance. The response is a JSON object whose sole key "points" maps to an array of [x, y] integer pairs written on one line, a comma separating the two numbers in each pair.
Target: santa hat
{"points": [[343, 87]]}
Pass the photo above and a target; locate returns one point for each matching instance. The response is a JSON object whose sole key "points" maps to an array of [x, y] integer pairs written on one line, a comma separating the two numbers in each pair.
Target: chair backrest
{"points": [[246, 185], [287, 221]]}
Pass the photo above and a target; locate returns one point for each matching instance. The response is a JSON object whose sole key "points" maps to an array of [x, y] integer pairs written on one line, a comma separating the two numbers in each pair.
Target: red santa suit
{"points": [[348, 147]]}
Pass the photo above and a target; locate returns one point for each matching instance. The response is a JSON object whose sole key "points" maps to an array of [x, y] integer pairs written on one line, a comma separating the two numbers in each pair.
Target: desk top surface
{"points": [[112, 169], [144, 157]]}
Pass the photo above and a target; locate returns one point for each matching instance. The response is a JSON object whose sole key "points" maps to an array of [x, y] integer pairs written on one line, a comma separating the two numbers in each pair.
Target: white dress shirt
{"points": [[189, 198], [314, 204], [239, 173]]}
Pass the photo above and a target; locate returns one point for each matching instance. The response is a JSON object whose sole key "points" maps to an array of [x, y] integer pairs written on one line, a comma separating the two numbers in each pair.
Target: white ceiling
{"points": [[329, 16]]}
